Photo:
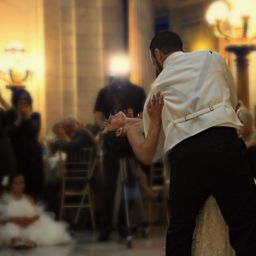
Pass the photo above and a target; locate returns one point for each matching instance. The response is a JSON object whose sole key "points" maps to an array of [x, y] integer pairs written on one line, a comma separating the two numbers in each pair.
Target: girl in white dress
{"points": [[24, 224]]}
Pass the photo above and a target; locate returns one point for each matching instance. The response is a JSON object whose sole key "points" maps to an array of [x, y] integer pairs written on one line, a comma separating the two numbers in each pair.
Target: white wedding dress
{"points": [[211, 234], [44, 231]]}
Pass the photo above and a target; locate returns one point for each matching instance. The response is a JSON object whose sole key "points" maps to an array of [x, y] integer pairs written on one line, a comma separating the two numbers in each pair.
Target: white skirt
{"points": [[44, 231]]}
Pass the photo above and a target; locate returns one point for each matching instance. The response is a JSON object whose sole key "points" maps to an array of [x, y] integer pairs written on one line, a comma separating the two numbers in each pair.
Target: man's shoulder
{"points": [[196, 54], [204, 53]]}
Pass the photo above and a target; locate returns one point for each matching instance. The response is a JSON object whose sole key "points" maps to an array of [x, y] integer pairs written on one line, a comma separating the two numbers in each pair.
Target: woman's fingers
{"points": [[161, 100], [156, 100], [149, 105]]}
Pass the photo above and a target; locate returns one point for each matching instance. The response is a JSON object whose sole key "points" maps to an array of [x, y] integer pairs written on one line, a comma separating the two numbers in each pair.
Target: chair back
{"points": [[81, 163], [78, 170]]}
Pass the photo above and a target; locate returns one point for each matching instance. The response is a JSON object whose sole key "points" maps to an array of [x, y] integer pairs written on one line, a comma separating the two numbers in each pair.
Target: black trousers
{"points": [[252, 160], [213, 162]]}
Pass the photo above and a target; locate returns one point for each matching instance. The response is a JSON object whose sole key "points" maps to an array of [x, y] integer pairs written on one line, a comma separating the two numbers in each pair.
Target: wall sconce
{"points": [[14, 68], [235, 21]]}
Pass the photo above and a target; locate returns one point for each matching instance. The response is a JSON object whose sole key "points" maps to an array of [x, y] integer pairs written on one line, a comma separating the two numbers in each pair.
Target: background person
{"points": [[119, 95], [7, 158], [23, 130], [23, 224]]}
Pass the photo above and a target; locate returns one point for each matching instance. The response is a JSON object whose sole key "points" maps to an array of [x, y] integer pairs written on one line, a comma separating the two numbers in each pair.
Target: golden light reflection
{"points": [[201, 44], [233, 19], [14, 67]]}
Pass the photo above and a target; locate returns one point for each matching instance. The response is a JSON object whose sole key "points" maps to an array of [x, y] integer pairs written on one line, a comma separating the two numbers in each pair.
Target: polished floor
{"points": [[86, 245]]}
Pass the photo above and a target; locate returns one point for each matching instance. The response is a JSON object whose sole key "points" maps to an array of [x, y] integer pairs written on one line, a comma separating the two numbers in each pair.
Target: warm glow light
{"points": [[201, 44], [119, 65], [233, 19], [14, 65], [244, 7], [217, 11]]}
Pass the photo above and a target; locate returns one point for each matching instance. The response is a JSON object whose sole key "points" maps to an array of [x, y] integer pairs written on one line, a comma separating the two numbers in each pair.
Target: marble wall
{"points": [[73, 58]]}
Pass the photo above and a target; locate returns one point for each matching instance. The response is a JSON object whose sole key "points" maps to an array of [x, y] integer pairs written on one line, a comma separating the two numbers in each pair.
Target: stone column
{"points": [[68, 57], [141, 30], [53, 64], [88, 56], [241, 52]]}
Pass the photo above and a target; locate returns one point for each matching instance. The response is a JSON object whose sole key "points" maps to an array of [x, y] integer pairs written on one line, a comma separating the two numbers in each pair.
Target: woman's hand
{"points": [[116, 122], [119, 120], [154, 108]]}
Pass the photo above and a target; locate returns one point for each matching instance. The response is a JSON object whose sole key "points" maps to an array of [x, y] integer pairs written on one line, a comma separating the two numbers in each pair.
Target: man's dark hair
{"points": [[167, 42]]}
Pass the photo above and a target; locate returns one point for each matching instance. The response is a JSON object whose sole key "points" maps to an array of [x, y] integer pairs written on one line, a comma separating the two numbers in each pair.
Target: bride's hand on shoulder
{"points": [[154, 108]]}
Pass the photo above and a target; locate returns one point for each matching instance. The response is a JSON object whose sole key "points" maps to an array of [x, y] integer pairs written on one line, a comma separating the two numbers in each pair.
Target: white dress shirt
{"points": [[199, 93]]}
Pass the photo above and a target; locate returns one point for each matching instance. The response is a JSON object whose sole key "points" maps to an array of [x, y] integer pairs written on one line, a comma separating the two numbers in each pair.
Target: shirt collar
{"points": [[171, 57]]}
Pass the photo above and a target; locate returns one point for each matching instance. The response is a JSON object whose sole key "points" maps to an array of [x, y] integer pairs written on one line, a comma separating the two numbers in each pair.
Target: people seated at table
{"points": [[71, 136], [23, 224]]}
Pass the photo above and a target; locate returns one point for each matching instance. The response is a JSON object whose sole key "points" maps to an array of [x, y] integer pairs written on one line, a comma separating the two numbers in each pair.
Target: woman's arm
{"points": [[144, 148], [21, 221], [24, 221]]}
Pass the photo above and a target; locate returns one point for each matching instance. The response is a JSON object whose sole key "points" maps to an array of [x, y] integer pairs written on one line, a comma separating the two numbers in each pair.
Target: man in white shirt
{"points": [[199, 138], [204, 153]]}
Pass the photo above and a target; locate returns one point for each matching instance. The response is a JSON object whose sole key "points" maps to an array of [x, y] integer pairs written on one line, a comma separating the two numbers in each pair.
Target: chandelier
{"points": [[234, 20], [14, 70]]}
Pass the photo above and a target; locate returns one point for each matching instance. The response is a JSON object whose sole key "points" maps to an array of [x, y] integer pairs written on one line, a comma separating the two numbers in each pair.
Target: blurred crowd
{"points": [[38, 158]]}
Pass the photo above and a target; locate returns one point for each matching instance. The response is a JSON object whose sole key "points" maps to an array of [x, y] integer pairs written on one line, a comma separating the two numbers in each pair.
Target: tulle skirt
{"points": [[44, 231]]}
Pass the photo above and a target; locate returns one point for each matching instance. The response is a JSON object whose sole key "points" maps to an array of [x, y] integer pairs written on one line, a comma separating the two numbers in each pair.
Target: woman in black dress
{"points": [[24, 131]]}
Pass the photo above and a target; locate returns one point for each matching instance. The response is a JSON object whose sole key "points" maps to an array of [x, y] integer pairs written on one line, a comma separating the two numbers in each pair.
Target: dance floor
{"points": [[86, 245]]}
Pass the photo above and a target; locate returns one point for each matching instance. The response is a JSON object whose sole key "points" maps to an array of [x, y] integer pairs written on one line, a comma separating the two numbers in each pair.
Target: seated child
{"points": [[24, 224]]}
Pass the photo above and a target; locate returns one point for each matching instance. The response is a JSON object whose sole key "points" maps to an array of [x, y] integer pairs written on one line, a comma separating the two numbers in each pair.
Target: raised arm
{"points": [[144, 148]]}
